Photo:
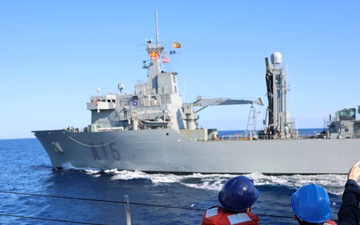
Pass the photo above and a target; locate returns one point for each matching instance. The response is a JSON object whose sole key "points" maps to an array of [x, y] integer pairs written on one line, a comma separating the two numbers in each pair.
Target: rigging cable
{"points": [[47, 219], [117, 202]]}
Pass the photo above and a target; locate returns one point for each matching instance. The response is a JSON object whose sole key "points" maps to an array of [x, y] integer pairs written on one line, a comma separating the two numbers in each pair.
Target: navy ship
{"points": [[153, 130]]}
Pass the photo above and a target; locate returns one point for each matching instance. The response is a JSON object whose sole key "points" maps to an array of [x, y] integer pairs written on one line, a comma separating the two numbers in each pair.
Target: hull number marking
{"points": [[105, 152]]}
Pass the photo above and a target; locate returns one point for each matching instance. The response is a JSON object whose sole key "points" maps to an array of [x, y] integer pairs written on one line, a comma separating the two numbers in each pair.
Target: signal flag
{"points": [[176, 45]]}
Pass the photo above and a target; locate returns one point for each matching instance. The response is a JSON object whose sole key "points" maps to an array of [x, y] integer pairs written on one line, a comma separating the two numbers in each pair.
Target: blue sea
{"points": [[33, 193]]}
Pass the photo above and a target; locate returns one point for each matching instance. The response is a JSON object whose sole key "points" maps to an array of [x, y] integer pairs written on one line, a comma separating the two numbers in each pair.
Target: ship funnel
{"points": [[276, 58]]}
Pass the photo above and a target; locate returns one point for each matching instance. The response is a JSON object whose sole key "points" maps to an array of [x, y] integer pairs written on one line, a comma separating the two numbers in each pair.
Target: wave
{"points": [[333, 183]]}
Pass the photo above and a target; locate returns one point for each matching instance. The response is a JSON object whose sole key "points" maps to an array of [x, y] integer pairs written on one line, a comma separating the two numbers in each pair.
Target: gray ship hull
{"points": [[167, 151]]}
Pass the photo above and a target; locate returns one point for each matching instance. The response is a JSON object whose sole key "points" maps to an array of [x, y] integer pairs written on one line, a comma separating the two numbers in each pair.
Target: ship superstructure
{"points": [[154, 104], [344, 125]]}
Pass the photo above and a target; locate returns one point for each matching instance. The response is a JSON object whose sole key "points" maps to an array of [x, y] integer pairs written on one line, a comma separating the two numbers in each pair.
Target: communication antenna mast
{"points": [[156, 28]]}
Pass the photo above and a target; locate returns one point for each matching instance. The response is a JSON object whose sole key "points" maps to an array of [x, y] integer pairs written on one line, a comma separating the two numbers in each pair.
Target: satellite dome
{"points": [[276, 58]]}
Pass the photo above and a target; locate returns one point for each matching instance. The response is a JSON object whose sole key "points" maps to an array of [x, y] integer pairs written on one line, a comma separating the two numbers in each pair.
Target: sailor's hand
{"points": [[354, 172]]}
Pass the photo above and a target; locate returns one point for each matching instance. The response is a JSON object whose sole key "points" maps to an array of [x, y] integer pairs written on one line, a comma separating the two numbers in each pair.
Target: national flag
{"points": [[154, 55], [165, 59], [176, 45]]}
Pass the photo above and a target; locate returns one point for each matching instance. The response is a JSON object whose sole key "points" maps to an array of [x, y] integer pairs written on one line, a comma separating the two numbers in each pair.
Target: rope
{"points": [[47, 219], [100, 200], [121, 202], [61, 197]]}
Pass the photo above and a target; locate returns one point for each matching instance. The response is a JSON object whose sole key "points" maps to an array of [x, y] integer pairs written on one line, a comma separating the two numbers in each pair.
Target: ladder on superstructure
{"points": [[252, 123]]}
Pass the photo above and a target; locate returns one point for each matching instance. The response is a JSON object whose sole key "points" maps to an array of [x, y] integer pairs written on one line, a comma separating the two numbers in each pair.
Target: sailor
{"points": [[236, 198], [349, 212], [311, 205]]}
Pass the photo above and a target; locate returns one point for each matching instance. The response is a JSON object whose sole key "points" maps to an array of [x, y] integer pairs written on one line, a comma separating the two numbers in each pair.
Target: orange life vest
{"points": [[217, 216], [330, 222]]}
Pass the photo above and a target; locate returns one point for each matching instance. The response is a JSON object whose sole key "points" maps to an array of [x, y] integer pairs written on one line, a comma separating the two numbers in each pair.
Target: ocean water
{"points": [[33, 193]]}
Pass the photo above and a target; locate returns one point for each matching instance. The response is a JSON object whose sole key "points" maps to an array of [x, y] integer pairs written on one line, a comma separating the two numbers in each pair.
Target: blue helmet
{"points": [[311, 203], [238, 194]]}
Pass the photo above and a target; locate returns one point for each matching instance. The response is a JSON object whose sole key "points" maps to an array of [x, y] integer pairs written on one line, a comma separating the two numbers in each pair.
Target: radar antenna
{"points": [[121, 87]]}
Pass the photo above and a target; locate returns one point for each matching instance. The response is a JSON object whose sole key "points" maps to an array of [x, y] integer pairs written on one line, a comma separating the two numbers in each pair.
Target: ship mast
{"points": [[279, 125], [156, 29], [154, 51]]}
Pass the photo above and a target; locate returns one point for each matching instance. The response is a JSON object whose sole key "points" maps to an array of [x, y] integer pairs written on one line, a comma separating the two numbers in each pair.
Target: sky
{"points": [[55, 54]]}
